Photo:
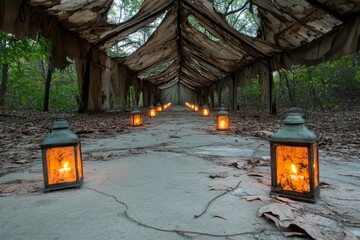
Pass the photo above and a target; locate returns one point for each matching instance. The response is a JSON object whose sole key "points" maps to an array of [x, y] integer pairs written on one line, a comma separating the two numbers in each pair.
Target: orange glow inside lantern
{"points": [[61, 155], [205, 112], [136, 118], [152, 112], [61, 165], [159, 107], [294, 161], [196, 108], [222, 120]]}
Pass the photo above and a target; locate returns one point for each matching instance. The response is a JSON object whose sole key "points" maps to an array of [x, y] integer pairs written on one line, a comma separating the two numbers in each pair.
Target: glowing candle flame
{"points": [[66, 168], [137, 121], [222, 124], [293, 169]]}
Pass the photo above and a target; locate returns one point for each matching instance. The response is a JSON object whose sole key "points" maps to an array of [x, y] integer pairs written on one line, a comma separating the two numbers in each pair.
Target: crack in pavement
{"points": [[183, 233]]}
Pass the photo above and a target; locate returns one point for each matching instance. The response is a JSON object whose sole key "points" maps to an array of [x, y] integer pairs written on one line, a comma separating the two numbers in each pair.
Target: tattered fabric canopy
{"points": [[290, 32]]}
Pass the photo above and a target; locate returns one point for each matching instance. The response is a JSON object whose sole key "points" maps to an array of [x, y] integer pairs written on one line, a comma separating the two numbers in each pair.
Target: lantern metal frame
{"points": [[133, 114], [222, 113], [60, 137], [294, 133]]}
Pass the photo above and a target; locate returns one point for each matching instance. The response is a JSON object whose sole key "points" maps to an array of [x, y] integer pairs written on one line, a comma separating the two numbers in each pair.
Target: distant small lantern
{"points": [[152, 112], [295, 160], [205, 111], [196, 108], [222, 119], [61, 158], [159, 107], [165, 106], [136, 118]]}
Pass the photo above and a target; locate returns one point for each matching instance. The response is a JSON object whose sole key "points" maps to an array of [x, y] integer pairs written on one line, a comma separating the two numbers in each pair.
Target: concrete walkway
{"points": [[155, 181]]}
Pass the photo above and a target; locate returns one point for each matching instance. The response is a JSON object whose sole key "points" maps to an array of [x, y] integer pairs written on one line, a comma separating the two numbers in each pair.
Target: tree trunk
{"points": [[47, 89], [272, 95], [284, 77], [4, 81]]}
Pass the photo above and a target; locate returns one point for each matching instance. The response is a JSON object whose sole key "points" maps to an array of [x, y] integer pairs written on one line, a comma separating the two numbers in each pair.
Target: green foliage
{"points": [[249, 96], [239, 15], [331, 86], [194, 22], [28, 63], [122, 11]]}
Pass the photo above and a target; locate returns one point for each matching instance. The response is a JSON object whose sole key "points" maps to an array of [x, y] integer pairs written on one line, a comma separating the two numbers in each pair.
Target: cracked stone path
{"points": [[152, 181]]}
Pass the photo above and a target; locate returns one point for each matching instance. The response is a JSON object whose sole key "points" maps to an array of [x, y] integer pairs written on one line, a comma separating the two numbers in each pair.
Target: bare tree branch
{"points": [[238, 9]]}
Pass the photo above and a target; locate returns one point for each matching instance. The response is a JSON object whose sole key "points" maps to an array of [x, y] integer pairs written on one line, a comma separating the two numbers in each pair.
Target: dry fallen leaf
{"points": [[284, 199], [293, 220], [18, 187], [233, 164], [264, 180], [257, 197]]}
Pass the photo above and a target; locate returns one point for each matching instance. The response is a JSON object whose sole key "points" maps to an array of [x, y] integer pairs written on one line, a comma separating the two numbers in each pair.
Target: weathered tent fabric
{"points": [[291, 32], [179, 93], [345, 40]]}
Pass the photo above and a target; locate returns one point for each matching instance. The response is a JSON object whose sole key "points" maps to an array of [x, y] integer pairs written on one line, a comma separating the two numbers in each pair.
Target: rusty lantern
{"points": [[295, 160], [136, 118], [159, 107], [61, 158], [205, 111], [152, 111], [222, 119]]}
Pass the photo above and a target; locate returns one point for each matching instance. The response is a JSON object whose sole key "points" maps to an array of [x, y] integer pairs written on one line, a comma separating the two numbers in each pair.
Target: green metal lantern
{"points": [[295, 160], [61, 158], [152, 111], [136, 118]]}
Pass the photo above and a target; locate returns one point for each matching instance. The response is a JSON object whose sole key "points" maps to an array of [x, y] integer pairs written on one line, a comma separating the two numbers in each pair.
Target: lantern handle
{"points": [[305, 114]]}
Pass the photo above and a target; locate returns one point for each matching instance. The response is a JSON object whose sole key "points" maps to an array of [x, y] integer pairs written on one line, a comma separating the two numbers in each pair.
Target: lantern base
{"points": [[310, 199], [61, 186]]}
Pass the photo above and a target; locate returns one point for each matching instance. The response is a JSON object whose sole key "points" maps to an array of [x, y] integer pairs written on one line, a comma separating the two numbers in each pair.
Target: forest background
{"points": [[27, 82]]}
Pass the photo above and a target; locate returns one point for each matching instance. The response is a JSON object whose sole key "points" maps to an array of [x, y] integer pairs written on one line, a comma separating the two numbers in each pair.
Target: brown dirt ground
{"points": [[23, 131]]}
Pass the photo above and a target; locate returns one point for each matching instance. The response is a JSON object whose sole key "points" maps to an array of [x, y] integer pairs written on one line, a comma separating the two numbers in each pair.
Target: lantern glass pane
{"points": [[223, 122], [152, 113], [137, 120], [292, 168], [79, 161], [60, 163]]}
